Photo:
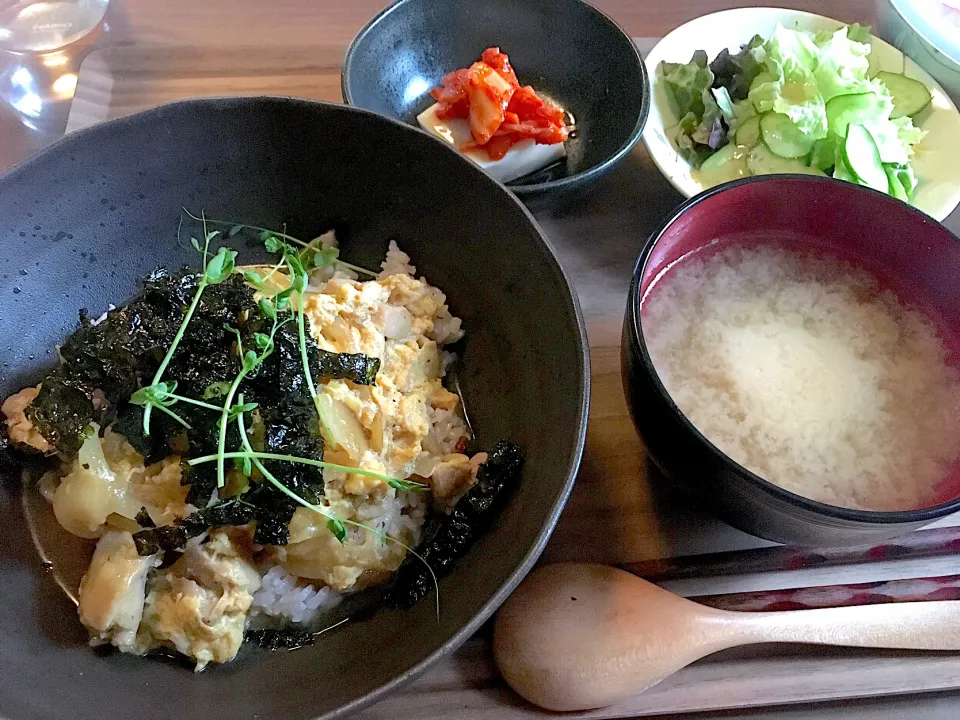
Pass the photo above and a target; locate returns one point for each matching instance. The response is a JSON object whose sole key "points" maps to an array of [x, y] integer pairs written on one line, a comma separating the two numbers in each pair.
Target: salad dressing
{"points": [[733, 167]]}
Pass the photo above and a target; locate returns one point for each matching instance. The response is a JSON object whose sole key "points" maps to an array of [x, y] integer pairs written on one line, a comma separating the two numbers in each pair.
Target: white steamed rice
{"points": [[285, 595]]}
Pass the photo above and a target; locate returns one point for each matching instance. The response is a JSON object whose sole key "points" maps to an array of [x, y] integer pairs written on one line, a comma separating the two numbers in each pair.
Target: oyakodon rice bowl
{"points": [[244, 459]]}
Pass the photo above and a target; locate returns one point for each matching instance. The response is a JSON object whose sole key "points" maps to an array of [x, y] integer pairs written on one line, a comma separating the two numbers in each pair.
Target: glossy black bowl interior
{"points": [[567, 49], [82, 222], [907, 250]]}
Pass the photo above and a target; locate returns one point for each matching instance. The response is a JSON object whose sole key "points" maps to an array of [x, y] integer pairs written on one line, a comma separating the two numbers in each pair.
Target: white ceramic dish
{"points": [[937, 161], [923, 30]]}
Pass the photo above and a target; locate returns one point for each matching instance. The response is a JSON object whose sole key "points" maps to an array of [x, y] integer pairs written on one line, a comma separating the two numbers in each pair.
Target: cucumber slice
{"points": [[824, 153], [895, 186], [845, 109], [862, 158], [748, 134], [783, 137], [716, 161], [909, 96], [727, 163], [760, 161]]}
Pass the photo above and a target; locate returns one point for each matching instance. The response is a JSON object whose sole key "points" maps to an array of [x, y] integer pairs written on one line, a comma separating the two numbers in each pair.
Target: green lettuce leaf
{"points": [[895, 138], [859, 33], [789, 85], [791, 90], [702, 128], [686, 84], [743, 110], [842, 66], [712, 130], [793, 48], [824, 153], [722, 97]]}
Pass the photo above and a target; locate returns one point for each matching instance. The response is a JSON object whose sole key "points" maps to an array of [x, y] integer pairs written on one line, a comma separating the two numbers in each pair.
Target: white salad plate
{"points": [[937, 159]]}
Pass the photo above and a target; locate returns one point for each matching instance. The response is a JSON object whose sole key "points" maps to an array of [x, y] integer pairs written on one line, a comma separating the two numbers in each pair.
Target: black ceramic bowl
{"points": [[906, 249], [569, 50], [83, 221]]}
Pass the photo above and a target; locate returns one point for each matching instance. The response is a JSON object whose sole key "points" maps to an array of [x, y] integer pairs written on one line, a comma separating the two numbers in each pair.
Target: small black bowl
{"points": [[909, 251], [567, 49]]}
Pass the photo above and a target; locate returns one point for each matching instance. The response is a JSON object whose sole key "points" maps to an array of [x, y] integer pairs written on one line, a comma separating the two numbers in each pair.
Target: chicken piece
{"points": [[199, 606], [21, 430], [112, 591], [453, 476], [322, 557], [159, 488], [224, 562], [316, 554]]}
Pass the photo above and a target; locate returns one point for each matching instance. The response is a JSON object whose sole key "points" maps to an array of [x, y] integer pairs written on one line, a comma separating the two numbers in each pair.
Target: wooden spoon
{"points": [[577, 636]]}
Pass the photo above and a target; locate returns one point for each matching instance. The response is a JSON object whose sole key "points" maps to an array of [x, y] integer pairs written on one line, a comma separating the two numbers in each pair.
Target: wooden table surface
{"points": [[273, 29], [160, 50]]}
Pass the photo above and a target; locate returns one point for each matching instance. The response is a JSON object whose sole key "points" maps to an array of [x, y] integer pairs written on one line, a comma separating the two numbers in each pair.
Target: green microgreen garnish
{"points": [[303, 461], [250, 361], [320, 257], [326, 257], [298, 283], [334, 524], [406, 485], [161, 395], [215, 390]]}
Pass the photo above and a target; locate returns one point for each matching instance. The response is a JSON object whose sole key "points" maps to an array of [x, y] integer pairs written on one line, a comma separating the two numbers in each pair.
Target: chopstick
{"points": [[919, 544], [892, 591]]}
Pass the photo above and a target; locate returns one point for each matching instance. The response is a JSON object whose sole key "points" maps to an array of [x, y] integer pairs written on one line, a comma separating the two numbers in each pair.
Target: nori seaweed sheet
{"points": [[355, 367], [235, 511], [288, 638], [448, 537], [122, 353]]}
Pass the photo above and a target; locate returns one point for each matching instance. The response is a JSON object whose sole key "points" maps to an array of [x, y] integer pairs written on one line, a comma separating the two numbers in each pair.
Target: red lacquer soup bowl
{"points": [[907, 251]]}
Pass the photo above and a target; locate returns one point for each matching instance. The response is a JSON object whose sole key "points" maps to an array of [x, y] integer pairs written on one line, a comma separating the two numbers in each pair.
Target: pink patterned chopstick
{"points": [[910, 590], [919, 544]]}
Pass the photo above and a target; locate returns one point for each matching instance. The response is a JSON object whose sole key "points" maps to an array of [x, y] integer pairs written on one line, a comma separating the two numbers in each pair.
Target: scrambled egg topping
{"points": [[20, 428], [395, 319], [405, 425], [199, 606]]}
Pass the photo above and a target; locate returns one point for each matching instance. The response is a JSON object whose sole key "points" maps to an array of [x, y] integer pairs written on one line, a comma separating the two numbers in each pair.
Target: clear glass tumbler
{"points": [[43, 25], [42, 43]]}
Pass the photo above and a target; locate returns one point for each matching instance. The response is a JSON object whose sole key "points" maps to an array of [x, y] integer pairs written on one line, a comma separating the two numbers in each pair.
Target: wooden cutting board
{"points": [[619, 512]]}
